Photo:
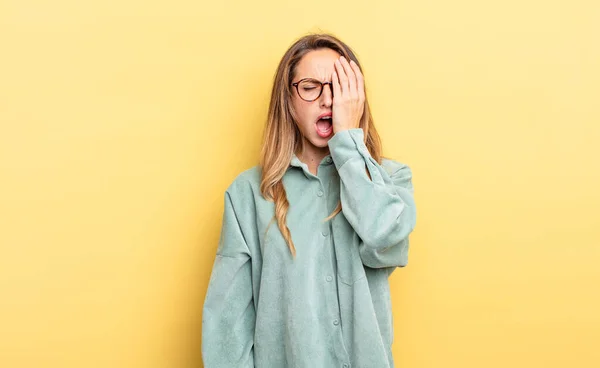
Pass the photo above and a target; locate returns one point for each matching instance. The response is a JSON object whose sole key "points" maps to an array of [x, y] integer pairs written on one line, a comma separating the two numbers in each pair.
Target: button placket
{"points": [[326, 231]]}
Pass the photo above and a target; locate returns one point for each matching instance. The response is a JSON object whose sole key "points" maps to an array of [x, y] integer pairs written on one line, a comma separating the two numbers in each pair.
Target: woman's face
{"points": [[319, 65]]}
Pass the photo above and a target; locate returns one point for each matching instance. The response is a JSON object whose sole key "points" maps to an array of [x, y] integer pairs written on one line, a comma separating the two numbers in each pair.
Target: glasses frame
{"points": [[316, 81]]}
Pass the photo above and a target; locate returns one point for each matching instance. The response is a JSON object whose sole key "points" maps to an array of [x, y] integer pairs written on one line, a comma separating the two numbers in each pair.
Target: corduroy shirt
{"points": [[329, 306]]}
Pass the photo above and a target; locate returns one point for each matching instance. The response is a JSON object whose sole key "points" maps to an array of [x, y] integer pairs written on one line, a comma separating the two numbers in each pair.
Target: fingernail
{"points": [[343, 58]]}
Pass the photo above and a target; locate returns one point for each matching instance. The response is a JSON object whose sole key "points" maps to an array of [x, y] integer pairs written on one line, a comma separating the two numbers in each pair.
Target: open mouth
{"points": [[324, 126]]}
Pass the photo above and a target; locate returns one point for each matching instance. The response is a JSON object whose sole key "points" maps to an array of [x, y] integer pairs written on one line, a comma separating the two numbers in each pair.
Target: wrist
{"points": [[344, 127]]}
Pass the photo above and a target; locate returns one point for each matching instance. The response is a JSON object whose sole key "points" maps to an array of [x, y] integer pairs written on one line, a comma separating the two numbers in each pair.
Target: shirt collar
{"points": [[295, 161]]}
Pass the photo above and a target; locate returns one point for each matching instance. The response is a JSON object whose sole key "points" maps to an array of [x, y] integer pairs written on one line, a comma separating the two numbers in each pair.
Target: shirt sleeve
{"points": [[228, 316], [381, 209]]}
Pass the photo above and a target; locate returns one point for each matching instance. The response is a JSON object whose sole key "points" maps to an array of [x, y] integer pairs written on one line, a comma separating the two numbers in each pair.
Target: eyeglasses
{"points": [[310, 89]]}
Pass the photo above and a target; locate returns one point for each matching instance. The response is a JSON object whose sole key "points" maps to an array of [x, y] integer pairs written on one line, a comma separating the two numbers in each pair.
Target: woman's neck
{"points": [[312, 156]]}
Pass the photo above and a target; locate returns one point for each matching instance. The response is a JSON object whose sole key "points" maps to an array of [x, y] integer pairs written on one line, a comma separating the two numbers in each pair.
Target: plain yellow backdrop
{"points": [[123, 122]]}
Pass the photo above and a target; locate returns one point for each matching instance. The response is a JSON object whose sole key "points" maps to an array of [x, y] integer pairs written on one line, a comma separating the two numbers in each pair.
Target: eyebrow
{"points": [[316, 79]]}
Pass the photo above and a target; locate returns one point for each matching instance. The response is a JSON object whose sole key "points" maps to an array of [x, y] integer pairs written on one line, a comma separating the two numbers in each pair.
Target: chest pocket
{"points": [[349, 265]]}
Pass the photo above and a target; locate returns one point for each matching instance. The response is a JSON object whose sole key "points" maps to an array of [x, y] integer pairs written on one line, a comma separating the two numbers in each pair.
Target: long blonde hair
{"points": [[282, 138]]}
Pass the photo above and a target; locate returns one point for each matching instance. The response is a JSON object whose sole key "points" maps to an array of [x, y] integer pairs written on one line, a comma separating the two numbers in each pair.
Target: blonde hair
{"points": [[282, 138]]}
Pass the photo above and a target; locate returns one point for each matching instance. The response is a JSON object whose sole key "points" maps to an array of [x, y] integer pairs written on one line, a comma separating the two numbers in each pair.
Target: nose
{"points": [[327, 95]]}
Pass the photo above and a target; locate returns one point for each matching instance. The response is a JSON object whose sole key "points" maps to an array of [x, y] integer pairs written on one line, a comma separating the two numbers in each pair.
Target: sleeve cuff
{"points": [[346, 145]]}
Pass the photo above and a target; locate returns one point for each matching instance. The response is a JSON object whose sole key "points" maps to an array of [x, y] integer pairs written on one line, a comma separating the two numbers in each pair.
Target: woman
{"points": [[313, 290]]}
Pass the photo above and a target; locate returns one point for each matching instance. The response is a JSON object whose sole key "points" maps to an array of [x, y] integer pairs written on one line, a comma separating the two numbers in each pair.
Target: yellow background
{"points": [[123, 122]]}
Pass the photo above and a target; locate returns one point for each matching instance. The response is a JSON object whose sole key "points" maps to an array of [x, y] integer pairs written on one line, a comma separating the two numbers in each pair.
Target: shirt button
{"points": [[324, 232], [346, 366], [329, 278], [336, 322], [329, 159], [320, 193]]}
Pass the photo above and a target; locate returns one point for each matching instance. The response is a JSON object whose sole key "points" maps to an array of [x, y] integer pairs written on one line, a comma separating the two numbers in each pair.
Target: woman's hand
{"points": [[348, 95]]}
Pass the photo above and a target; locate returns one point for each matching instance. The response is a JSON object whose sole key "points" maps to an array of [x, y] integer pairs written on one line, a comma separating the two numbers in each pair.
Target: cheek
{"points": [[304, 111]]}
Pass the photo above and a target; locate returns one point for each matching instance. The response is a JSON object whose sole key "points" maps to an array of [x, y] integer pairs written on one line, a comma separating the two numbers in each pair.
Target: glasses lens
{"points": [[309, 90]]}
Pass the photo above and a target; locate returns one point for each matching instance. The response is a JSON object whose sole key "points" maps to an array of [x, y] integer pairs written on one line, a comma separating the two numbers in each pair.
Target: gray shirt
{"points": [[329, 306]]}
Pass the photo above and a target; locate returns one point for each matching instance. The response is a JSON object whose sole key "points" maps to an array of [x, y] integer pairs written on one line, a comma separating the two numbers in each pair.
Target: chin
{"points": [[320, 142]]}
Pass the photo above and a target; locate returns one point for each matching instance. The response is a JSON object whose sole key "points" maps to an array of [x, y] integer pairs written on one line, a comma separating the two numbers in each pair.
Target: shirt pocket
{"points": [[349, 265]]}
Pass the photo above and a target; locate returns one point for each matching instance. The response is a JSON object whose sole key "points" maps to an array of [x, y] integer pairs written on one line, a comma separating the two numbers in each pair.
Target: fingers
{"points": [[360, 81], [350, 78], [350, 75], [337, 89], [342, 77]]}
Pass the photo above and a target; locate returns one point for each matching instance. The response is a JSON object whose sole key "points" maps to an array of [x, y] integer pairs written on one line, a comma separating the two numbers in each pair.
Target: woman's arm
{"points": [[228, 316], [381, 209]]}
